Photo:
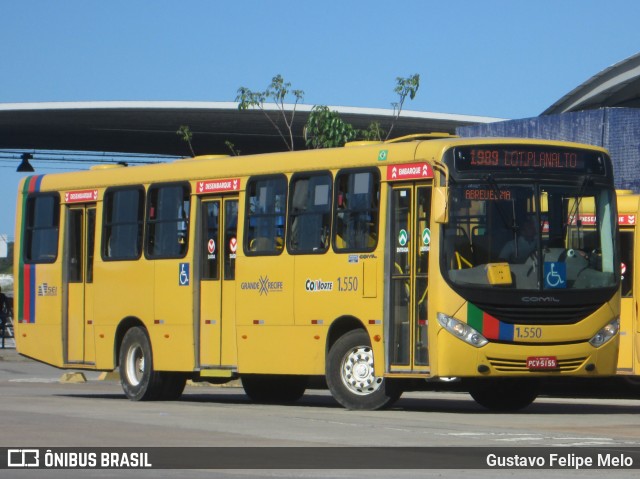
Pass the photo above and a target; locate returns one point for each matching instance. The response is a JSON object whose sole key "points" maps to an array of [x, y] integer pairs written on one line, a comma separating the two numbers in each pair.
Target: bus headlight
{"points": [[462, 330], [606, 333]]}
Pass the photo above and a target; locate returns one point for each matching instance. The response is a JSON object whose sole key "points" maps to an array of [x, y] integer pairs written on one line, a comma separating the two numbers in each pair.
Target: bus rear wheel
{"points": [[274, 388], [504, 394], [350, 374], [139, 381]]}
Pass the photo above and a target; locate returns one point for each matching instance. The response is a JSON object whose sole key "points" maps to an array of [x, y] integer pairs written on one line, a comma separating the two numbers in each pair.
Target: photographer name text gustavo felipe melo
{"points": [[567, 460]]}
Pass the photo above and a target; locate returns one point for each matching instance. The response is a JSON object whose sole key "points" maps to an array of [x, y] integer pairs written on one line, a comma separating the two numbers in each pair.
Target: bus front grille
{"points": [[538, 314], [520, 365]]}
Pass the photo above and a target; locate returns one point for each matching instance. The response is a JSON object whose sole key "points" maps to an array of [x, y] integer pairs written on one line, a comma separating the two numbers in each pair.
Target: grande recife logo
{"points": [[263, 286]]}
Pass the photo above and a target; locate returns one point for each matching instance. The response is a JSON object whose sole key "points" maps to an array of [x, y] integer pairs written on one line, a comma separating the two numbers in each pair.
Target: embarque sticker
{"points": [[409, 171]]}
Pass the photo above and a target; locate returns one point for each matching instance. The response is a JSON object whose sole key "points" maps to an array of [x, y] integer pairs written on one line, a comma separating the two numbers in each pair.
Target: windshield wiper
{"points": [[496, 189], [576, 208]]}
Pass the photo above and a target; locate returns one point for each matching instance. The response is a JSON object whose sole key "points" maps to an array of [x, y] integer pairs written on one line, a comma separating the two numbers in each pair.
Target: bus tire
{"points": [[350, 374], [139, 381], [632, 381], [274, 388], [504, 394], [173, 384]]}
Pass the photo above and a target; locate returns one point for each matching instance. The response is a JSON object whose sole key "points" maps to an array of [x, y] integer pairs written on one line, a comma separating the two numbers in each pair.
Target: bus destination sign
{"points": [[504, 158]]}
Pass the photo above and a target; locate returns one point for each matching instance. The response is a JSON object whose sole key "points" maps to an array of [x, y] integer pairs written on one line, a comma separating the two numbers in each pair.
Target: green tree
{"points": [[325, 129], [373, 133], [404, 87], [277, 91], [185, 133], [232, 148]]}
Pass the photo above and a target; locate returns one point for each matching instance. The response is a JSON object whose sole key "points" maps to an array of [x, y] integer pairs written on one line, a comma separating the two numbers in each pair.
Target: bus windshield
{"points": [[531, 236]]}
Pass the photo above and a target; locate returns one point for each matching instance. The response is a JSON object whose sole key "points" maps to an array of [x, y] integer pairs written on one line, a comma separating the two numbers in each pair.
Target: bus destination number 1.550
{"points": [[528, 333], [347, 283]]}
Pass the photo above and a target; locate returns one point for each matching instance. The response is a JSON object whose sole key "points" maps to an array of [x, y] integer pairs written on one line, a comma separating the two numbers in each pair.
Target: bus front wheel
{"points": [[139, 381], [351, 377], [504, 394]]}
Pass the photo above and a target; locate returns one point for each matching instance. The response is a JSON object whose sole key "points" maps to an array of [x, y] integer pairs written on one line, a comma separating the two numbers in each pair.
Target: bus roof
{"points": [[407, 149], [628, 203]]}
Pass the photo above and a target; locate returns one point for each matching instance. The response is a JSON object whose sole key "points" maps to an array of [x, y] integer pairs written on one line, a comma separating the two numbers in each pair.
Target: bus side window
{"points": [[123, 220], [41, 228], [356, 208], [265, 218], [310, 213], [230, 236], [168, 221]]}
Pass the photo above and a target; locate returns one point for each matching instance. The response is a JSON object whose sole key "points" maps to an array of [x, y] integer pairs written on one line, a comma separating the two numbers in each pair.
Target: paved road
{"points": [[38, 411]]}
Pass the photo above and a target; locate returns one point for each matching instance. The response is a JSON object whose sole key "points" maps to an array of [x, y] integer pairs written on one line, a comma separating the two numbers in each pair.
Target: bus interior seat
{"points": [[261, 244], [458, 242], [481, 246], [309, 231], [555, 242]]}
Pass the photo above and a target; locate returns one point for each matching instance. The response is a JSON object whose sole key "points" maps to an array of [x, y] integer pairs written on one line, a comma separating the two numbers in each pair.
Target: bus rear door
{"points": [[216, 248], [78, 284]]}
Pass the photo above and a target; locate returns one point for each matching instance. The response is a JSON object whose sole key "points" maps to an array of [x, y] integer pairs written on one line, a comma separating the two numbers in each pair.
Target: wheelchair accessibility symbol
{"points": [[555, 275], [183, 277]]}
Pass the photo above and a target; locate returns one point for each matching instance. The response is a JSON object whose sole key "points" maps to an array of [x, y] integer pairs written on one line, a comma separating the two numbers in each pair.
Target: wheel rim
{"points": [[357, 371], [135, 365]]}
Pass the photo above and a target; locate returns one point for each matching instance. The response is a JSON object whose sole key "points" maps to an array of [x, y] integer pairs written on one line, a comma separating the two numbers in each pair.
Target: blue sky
{"points": [[500, 58]]}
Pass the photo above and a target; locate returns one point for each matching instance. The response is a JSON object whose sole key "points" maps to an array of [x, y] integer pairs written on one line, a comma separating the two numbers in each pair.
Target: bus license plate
{"points": [[542, 362]]}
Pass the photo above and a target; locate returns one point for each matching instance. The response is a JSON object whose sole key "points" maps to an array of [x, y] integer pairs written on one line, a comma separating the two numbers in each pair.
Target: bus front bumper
{"points": [[456, 358]]}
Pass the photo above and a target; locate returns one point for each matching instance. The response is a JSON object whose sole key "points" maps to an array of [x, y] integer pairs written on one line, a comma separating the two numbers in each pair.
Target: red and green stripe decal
{"points": [[26, 301], [487, 325]]}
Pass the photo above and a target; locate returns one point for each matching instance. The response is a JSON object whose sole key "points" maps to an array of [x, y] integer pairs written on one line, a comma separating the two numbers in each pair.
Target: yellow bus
{"points": [[629, 357], [628, 209], [373, 266]]}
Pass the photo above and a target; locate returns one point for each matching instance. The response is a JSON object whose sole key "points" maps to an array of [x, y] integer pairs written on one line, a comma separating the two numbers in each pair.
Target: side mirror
{"points": [[441, 205]]}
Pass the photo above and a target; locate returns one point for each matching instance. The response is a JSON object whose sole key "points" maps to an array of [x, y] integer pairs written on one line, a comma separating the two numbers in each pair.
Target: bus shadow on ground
{"points": [[542, 406], [553, 400]]}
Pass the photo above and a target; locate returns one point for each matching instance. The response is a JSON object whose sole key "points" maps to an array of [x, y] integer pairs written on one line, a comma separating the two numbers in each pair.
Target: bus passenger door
{"points": [[78, 283], [409, 245], [217, 245]]}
